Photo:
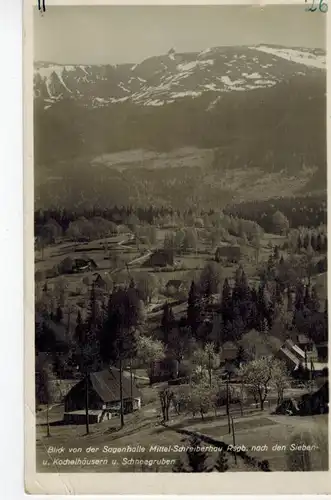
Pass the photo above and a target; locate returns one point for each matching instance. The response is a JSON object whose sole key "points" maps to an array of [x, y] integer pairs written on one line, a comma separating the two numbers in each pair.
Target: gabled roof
{"points": [[297, 351], [99, 280], [84, 261], [106, 384], [290, 356]]}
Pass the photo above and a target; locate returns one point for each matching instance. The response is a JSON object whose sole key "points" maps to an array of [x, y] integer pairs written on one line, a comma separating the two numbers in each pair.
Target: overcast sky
{"points": [[113, 35]]}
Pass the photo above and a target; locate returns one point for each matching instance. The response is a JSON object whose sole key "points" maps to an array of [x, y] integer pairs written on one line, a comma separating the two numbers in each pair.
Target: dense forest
{"points": [[309, 211]]}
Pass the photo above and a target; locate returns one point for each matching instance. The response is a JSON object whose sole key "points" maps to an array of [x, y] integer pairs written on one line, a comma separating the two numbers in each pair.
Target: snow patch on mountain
{"points": [[253, 76], [211, 86], [227, 81], [193, 64], [154, 102], [46, 73], [204, 52], [189, 93], [295, 55], [160, 80], [121, 86]]}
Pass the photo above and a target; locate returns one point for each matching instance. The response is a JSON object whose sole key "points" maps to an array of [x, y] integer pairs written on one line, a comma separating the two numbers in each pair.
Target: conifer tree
{"points": [[276, 253], [241, 355], [263, 307], [93, 311], [313, 242], [226, 302], [244, 286], [238, 276], [208, 290], [306, 241], [193, 309], [325, 243], [299, 297], [307, 298], [314, 304], [226, 293], [221, 464], [167, 322], [58, 315], [196, 457], [79, 329], [299, 243], [119, 333], [289, 300], [244, 299], [88, 349]]}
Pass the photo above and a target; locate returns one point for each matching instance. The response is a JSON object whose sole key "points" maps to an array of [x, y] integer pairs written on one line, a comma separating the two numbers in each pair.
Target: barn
{"points": [[160, 258], [103, 395], [230, 253]]}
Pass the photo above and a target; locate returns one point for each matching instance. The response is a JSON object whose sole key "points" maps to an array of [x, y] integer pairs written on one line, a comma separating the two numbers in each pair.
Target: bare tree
{"points": [[166, 396]]}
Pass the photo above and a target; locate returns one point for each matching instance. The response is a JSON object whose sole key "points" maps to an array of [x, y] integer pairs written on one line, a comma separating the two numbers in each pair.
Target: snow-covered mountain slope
{"points": [[313, 58], [164, 79]]}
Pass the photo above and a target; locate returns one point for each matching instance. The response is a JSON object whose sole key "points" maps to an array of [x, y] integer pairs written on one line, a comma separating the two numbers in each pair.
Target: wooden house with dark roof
{"points": [[229, 253], [103, 393], [160, 258]]}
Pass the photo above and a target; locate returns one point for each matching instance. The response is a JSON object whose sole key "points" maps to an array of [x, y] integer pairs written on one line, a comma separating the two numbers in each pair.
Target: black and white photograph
{"points": [[180, 239]]}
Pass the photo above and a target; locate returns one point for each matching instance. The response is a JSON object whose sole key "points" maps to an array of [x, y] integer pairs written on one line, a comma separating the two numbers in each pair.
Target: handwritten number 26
{"points": [[322, 7]]}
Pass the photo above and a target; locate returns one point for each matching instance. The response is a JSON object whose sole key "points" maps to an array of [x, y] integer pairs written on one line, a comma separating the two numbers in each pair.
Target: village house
{"points": [[83, 265], [301, 362], [78, 265], [292, 355], [316, 402], [160, 258], [175, 286], [164, 370], [229, 253], [308, 404], [103, 396]]}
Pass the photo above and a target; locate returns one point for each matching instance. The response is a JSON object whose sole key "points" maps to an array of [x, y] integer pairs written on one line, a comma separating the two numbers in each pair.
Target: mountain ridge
{"points": [[159, 80], [270, 136]]}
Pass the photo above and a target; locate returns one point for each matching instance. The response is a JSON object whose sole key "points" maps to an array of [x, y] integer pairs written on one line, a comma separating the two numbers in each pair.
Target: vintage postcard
{"points": [[176, 248]]}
